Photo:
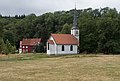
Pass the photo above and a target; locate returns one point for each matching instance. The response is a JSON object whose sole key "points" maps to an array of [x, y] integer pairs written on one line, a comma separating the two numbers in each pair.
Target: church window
{"points": [[76, 32], [48, 46], [23, 46], [63, 48], [71, 48], [26, 46]]}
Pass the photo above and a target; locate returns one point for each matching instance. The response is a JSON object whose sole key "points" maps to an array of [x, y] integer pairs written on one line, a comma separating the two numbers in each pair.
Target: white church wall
{"points": [[51, 49], [73, 32], [66, 49], [51, 38], [57, 49]]}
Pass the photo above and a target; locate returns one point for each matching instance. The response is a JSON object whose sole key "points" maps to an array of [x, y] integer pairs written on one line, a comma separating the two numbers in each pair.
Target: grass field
{"points": [[39, 67]]}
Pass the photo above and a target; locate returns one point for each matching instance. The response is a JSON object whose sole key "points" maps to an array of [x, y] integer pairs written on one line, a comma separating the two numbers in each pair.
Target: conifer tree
{"points": [[8, 46], [2, 46]]}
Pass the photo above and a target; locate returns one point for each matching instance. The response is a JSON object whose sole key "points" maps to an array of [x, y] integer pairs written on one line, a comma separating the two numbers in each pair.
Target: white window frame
{"points": [[23, 47], [26, 46]]}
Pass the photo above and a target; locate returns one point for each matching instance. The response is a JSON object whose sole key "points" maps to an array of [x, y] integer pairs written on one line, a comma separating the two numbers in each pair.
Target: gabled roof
{"points": [[66, 39], [50, 42], [32, 42]]}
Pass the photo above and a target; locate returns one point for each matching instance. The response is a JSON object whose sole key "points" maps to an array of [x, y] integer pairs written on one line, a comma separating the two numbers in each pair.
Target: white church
{"points": [[64, 43]]}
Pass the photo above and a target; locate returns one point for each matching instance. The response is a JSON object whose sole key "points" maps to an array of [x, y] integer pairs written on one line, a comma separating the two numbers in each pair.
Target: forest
{"points": [[99, 29]]}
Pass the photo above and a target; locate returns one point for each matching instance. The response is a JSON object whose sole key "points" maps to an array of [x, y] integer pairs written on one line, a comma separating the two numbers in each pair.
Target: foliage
{"points": [[2, 46], [40, 48], [99, 28], [66, 29], [9, 48]]}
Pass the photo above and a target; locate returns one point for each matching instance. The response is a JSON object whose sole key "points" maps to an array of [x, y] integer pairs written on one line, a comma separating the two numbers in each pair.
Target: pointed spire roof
{"points": [[75, 19]]}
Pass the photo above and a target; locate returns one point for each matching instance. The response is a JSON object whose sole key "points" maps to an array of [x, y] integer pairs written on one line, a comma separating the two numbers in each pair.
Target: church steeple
{"points": [[75, 19], [75, 29]]}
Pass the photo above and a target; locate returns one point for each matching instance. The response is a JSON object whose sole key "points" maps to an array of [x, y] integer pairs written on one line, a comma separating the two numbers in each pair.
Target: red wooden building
{"points": [[29, 45]]}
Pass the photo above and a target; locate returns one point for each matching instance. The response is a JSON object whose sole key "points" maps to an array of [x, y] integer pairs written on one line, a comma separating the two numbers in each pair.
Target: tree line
{"points": [[99, 28]]}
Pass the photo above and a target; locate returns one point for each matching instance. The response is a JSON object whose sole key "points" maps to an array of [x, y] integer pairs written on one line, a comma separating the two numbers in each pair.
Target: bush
{"points": [[40, 48]]}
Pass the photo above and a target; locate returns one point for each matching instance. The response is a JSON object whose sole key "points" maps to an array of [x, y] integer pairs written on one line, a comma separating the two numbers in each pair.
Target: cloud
{"points": [[13, 7]]}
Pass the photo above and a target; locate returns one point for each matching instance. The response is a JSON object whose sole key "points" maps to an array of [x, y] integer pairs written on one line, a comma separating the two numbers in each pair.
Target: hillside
{"points": [[99, 28]]}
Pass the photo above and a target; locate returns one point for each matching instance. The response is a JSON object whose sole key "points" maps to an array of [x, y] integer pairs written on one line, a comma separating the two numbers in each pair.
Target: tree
{"points": [[9, 48], [108, 35], [99, 28], [88, 35], [13, 49], [66, 29], [9, 35], [40, 48], [2, 46], [0, 16], [1, 30]]}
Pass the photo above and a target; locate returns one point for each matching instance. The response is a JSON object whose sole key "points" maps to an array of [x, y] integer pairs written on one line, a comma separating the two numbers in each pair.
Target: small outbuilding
{"points": [[29, 45]]}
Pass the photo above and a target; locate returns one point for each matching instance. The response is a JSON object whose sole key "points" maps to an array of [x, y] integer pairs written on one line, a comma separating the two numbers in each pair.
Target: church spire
{"points": [[75, 19], [75, 29]]}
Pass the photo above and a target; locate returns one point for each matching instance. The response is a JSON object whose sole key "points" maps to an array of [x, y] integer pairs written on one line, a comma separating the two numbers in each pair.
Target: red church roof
{"points": [[31, 42], [65, 39], [50, 42]]}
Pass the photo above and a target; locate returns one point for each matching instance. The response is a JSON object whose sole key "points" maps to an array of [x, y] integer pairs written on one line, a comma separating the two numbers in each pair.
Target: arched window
{"points": [[76, 32], [71, 48], [63, 48], [48, 46]]}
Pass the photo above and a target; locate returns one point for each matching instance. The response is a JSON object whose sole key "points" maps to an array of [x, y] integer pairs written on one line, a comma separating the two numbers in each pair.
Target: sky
{"points": [[38, 7]]}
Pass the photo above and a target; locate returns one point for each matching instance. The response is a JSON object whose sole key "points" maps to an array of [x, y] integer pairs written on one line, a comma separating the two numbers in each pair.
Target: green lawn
{"points": [[39, 67]]}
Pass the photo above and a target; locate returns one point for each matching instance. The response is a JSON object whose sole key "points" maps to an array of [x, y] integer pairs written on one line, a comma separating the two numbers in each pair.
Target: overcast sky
{"points": [[13, 7]]}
